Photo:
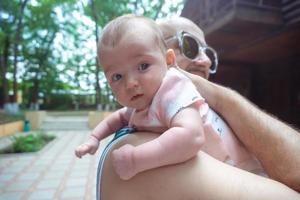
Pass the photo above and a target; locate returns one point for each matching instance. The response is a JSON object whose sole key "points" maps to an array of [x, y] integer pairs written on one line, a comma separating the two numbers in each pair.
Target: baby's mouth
{"points": [[135, 97]]}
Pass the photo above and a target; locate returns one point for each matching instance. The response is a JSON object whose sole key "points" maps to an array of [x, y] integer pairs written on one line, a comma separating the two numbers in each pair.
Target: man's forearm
{"points": [[274, 143]]}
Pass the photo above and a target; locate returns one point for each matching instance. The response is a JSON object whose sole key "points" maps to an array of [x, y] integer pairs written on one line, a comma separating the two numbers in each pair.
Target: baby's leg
{"points": [[174, 146]]}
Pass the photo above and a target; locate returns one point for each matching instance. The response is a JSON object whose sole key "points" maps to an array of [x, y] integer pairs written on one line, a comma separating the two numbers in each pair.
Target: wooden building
{"points": [[258, 43]]}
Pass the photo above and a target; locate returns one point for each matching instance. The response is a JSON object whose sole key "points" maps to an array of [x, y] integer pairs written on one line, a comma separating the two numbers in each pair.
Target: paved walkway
{"points": [[53, 173]]}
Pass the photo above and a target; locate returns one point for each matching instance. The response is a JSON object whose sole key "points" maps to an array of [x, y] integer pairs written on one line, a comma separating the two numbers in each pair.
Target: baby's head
{"points": [[134, 58], [131, 26]]}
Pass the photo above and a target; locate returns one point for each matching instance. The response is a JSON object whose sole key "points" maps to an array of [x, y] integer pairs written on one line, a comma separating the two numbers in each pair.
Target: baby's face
{"points": [[134, 68]]}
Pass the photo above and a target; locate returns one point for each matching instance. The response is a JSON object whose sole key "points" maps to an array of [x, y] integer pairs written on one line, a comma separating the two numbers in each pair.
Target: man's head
{"points": [[187, 39], [134, 58]]}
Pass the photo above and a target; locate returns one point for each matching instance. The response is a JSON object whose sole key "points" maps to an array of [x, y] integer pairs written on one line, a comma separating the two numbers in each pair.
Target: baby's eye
{"points": [[116, 77], [143, 66]]}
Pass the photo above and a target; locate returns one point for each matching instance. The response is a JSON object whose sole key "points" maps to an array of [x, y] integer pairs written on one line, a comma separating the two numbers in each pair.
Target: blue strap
{"points": [[118, 135], [123, 131]]}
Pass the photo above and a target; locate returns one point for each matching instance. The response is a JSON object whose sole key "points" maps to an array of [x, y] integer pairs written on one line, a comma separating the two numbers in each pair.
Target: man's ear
{"points": [[170, 57]]}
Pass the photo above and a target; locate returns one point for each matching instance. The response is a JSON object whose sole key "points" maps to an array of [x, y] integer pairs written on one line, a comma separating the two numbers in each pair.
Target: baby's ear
{"points": [[170, 57]]}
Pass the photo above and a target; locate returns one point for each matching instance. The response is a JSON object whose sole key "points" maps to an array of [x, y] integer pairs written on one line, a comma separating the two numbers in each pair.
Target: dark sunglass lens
{"points": [[212, 56], [190, 47]]}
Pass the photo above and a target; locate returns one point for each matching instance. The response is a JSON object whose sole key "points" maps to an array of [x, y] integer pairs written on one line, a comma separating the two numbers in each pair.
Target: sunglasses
{"points": [[191, 48]]}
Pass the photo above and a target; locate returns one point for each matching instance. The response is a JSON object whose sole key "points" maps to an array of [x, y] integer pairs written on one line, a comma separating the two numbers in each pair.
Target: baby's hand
{"points": [[90, 147], [123, 162]]}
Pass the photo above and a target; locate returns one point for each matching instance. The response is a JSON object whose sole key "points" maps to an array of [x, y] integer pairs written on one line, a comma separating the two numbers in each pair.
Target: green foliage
{"points": [[55, 51], [5, 118], [31, 142], [59, 102]]}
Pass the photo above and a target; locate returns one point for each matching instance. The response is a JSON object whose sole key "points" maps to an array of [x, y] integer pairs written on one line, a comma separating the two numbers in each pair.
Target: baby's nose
{"points": [[131, 82]]}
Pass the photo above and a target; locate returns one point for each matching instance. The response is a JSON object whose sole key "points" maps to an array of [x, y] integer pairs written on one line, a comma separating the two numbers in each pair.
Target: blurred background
{"points": [[48, 50]]}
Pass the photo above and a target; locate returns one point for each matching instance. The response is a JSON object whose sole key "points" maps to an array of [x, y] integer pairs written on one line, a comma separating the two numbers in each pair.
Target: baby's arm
{"points": [[178, 144], [109, 125]]}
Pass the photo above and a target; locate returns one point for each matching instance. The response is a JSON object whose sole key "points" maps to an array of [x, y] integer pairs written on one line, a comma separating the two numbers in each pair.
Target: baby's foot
{"points": [[123, 162]]}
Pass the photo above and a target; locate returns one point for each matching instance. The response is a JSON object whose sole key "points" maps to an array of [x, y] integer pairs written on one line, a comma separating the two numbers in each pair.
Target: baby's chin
{"points": [[141, 107], [135, 107]]}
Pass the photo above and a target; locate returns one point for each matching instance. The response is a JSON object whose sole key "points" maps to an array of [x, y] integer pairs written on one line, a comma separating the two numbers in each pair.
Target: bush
{"points": [[29, 143], [59, 102], [6, 118]]}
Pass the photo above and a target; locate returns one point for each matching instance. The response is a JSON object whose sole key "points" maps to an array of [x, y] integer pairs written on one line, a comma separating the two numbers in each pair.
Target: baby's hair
{"points": [[115, 29]]}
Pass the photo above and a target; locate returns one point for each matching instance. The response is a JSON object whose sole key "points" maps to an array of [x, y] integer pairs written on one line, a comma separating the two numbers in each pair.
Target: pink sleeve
{"points": [[176, 92]]}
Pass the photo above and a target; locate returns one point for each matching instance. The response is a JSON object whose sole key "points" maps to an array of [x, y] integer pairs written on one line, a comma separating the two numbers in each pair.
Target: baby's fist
{"points": [[90, 147]]}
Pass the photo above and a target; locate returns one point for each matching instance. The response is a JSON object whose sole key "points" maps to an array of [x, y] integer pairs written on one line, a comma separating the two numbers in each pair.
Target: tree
{"points": [[46, 43], [42, 26], [8, 18], [17, 43]]}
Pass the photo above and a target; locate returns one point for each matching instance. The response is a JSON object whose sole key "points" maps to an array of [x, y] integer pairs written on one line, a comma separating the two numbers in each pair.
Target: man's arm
{"points": [[202, 177], [275, 144]]}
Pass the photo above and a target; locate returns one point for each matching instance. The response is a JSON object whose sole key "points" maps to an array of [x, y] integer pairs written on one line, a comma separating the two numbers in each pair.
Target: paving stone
{"points": [[93, 190], [5, 159], [35, 169], [54, 174], [49, 183], [23, 162], [41, 175], [4, 164], [43, 162], [73, 192], [59, 167], [6, 177], [78, 173], [64, 159], [40, 166], [84, 160], [42, 195], [51, 154], [81, 166], [29, 176], [11, 195], [20, 186], [12, 169], [28, 158], [92, 172], [78, 182]]}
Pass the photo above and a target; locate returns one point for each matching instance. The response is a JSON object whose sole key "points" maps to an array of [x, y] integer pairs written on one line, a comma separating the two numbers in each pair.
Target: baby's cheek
{"points": [[121, 97], [116, 92]]}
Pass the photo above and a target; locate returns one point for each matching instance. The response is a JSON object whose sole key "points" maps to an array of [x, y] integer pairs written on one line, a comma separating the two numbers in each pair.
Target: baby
{"points": [[157, 99], [142, 74]]}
